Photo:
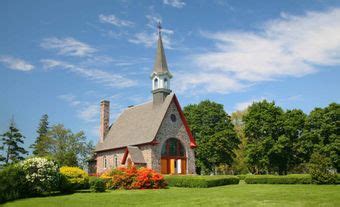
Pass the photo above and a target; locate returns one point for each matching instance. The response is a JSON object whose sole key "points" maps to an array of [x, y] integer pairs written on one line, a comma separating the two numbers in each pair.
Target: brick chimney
{"points": [[104, 119]]}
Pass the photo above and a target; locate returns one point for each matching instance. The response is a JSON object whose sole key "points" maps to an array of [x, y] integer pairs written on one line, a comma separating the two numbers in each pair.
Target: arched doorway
{"points": [[173, 159]]}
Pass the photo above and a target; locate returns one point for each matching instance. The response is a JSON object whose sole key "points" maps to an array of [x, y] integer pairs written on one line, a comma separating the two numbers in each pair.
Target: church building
{"points": [[154, 134]]}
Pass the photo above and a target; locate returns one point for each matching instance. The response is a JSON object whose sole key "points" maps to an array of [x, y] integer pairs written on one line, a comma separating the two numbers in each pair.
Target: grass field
{"points": [[232, 195]]}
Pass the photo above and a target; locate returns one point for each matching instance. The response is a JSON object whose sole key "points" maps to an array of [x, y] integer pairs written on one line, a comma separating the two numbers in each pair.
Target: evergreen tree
{"points": [[11, 141], [43, 143]]}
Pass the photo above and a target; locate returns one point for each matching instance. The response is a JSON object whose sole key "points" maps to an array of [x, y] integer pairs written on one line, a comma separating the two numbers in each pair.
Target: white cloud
{"points": [[291, 46], [175, 3], [16, 63], [149, 38], [112, 19], [206, 83], [68, 46], [103, 77], [244, 105], [70, 98], [89, 113]]}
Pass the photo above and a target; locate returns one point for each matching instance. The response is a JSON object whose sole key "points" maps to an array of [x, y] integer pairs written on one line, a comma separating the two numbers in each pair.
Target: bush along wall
{"points": [[279, 179], [200, 181]]}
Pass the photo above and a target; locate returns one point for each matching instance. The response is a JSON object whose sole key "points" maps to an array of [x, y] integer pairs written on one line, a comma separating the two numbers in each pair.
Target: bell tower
{"points": [[160, 76]]}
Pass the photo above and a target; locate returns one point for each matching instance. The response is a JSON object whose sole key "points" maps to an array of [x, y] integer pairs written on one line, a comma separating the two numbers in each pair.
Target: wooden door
{"points": [[184, 166], [164, 166]]}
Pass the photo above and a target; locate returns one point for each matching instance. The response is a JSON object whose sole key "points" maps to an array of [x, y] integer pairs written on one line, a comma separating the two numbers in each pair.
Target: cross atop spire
{"points": [[161, 66], [159, 26]]}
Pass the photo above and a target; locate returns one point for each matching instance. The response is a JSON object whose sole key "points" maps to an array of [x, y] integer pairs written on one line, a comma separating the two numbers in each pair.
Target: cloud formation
{"points": [[112, 19], [16, 63], [291, 46], [103, 77], [175, 3], [68, 46]]}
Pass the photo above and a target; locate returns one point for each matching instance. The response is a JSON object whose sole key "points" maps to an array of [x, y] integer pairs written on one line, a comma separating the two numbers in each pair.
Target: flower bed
{"points": [[201, 181], [133, 178]]}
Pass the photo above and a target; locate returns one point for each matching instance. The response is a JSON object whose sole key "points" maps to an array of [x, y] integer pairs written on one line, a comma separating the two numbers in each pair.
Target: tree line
{"points": [[263, 139], [55, 142]]}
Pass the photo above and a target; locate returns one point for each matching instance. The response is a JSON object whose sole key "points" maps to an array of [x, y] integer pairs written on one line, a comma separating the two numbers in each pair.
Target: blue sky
{"points": [[63, 57]]}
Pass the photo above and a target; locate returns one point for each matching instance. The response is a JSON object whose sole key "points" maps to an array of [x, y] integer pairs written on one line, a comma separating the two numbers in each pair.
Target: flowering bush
{"points": [[73, 178], [41, 174], [132, 178]]}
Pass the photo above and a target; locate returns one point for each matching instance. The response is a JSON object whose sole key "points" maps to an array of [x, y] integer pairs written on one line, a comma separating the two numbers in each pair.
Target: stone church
{"points": [[153, 134]]}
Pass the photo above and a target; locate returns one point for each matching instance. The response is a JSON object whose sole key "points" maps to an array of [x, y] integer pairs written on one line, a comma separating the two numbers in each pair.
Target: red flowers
{"points": [[133, 178]]}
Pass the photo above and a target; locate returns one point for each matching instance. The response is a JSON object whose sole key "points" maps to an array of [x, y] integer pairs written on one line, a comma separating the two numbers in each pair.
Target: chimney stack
{"points": [[104, 119]]}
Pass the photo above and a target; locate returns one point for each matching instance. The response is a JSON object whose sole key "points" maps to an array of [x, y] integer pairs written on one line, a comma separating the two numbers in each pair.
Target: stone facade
{"points": [[170, 129], [152, 153]]}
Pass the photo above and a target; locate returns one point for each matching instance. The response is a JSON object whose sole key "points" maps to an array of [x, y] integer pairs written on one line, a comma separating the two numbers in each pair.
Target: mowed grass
{"points": [[231, 195]]}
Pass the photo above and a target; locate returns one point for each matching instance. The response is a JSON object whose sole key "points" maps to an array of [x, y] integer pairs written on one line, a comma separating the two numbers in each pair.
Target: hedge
{"points": [[279, 179], [200, 181]]}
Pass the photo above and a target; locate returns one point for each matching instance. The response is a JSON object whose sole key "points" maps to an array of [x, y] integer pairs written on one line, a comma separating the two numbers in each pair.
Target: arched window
{"points": [[155, 83], [173, 147], [165, 83]]}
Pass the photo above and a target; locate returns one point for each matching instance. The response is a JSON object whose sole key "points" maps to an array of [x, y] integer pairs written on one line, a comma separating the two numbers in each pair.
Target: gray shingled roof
{"points": [[136, 125], [136, 154]]}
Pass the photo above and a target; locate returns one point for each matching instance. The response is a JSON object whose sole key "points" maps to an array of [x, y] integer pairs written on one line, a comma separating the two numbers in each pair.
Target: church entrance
{"points": [[173, 159]]}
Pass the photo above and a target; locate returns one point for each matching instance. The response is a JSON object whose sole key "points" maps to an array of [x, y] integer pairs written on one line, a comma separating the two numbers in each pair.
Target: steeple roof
{"points": [[161, 66]]}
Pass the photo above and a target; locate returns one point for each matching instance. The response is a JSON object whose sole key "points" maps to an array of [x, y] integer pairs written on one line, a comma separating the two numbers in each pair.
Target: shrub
{"points": [[320, 168], [97, 184], [241, 177], [278, 179], [73, 178], [200, 181], [42, 175], [132, 178], [13, 183]]}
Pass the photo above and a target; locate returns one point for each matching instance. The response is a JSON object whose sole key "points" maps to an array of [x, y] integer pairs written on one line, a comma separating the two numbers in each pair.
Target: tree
{"points": [[322, 134], [69, 149], [43, 143], [239, 163], [11, 141], [214, 133], [263, 127]]}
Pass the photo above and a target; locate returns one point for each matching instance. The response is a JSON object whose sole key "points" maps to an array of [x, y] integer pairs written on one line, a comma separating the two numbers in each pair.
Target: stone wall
{"points": [[170, 129]]}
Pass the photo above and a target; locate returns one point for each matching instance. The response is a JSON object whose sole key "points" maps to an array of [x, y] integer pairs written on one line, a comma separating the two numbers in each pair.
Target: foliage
{"points": [[73, 178], [320, 168], [12, 183], [192, 181], [11, 141], [43, 143], [214, 133], [133, 178], [97, 184], [279, 179], [69, 149], [239, 165], [42, 175], [322, 134]]}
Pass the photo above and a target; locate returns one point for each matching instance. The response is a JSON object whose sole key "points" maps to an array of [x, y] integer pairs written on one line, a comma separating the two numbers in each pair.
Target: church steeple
{"points": [[160, 76]]}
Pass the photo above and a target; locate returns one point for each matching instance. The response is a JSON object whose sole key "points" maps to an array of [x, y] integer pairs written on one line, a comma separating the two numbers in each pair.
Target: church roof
{"points": [[161, 66], [135, 154], [136, 125]]}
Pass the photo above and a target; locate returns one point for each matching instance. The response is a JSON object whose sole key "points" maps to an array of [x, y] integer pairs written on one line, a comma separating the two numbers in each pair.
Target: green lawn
{"points": [[232, 195]]}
